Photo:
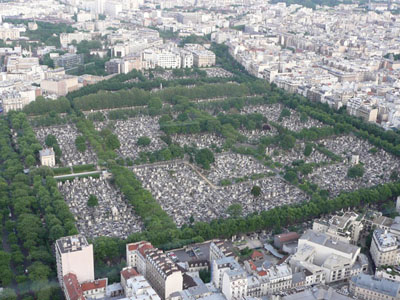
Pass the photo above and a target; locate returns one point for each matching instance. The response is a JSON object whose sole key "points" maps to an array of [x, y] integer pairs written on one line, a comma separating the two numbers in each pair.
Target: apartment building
{"points": [[163, 58], [68, 61], [136, 255], [186, 59], [234, 284], [201, 56], [7, 32], [74, 255], [72, 288], [157, 268], [15, 64], [346, 227], [67, 38], [136, 286], [95, 289], [162, 273], [219, 250], [60, 86], [13, 100], [363, 109], [338, 260], [123, 65], [276, 278], [220, 266], [384, 248], [368, 287]]}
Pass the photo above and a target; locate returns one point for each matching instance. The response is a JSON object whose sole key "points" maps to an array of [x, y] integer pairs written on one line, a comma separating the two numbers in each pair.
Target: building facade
{"points": [[74, 255]]}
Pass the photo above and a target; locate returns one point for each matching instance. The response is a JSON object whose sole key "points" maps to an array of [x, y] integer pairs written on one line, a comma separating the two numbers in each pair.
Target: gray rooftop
{"points": [[379, 285], [46, 152], [327, 241]]}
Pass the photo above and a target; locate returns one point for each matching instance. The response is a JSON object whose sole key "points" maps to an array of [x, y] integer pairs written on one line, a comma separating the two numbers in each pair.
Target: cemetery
{"points": [[292, 121], [66, 135], [111, 216], [378, 165], [286, 157], [186, 194], [201, 140], [232, 165], [129, 131]]}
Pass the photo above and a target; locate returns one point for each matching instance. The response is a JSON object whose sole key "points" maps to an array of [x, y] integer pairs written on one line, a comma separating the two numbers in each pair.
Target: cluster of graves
{"points": [[66, 135], [129, 131], [378, 165], [232, 165], [169, 74], [286, 157], [254, 135], [201, 140], [273, 113], [217, 72], [184, 193], [112, 216]]}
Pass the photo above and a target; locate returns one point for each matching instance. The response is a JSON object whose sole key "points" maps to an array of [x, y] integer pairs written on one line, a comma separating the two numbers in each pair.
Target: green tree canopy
{"points": [[92, 201], [256, 191], [204, 158]]}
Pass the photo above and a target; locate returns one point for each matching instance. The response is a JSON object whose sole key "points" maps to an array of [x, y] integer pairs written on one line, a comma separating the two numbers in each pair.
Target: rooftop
{"points": [[327, 241], [72, 243], [379, 285]]}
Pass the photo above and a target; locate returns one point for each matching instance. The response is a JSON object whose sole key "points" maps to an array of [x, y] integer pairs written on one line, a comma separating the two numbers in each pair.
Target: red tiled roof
{"points": [[256, 254], [72, 287], [92, 285], [145, 247], [139, 245], [132, 247], [128, 273], [262, 273], [287, 237], [252, 265]]}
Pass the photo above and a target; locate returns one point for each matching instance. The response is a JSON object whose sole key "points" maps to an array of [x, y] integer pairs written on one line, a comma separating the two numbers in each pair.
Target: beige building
{"points": [[74, 255], [204, 58], [201, 56], [363, 109], [368, 287], [9, 33], [47, 157], [156, 266], [68, 38], [384, 248], [13, 101], [60, 86]]}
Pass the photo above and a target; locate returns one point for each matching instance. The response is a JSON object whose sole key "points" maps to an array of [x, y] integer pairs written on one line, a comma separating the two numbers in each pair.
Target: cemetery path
{"points": [[201, 175], [77, 174]]}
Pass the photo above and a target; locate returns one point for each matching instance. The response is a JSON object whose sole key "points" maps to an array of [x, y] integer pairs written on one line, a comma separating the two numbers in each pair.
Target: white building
{"points": [[384, 248], [74, 255], [319, 251], [47, 157], [136, 286], [234, 284]]}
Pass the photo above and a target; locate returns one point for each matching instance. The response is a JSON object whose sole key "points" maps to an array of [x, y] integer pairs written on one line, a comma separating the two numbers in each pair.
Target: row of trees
{"points": [[139, 97], [44, 106], [28, 145], [104, 143], [33, 215]]}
